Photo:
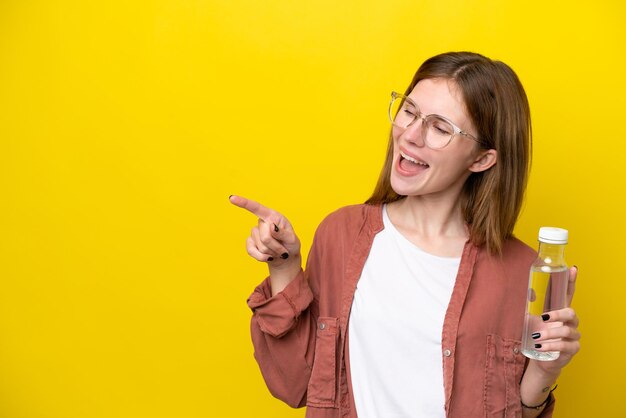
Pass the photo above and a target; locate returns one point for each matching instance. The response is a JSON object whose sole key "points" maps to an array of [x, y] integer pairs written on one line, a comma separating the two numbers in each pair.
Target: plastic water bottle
{"points": [[547, 290]]}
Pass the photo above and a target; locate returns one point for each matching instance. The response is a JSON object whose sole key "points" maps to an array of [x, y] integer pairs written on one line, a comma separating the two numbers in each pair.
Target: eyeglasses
{"points": [[437, 131]]}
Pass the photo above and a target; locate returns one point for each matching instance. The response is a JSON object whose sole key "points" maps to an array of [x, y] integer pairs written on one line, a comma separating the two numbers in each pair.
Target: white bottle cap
{"points": [[551, 235]]}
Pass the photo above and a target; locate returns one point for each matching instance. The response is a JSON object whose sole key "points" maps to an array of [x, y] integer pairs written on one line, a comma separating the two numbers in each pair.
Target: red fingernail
{"points": [[545, 316], [275, 228], [270, 259]]}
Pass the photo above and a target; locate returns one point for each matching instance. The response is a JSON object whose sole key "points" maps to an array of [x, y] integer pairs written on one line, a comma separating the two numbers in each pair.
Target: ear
{"points": [[484, 161]]}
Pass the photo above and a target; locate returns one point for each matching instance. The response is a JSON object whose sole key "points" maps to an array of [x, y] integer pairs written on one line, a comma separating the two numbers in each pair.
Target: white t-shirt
{"points": [[395, 329]]}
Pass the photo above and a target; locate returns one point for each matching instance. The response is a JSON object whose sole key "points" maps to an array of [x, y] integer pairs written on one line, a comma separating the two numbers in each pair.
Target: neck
{"points": [[435, 227], [429, 217]]}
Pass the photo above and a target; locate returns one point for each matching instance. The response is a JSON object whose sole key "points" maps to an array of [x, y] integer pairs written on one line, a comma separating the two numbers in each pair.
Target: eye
{"points": [[409, 109], [441, 126]]}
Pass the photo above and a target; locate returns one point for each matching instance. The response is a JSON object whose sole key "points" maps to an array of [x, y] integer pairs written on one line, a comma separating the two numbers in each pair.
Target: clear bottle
{"points": [[547, 290]]}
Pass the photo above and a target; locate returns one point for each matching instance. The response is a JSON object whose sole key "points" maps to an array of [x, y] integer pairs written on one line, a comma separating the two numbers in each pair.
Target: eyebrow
{"points": [[430, 114]]}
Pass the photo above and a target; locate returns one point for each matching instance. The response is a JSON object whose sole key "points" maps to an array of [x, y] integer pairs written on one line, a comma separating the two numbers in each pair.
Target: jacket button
{"points": [[447, 352], [322, 326]]}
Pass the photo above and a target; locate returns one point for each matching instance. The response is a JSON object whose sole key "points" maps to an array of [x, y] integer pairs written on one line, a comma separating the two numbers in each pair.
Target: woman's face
{"points": [[418, 170]]}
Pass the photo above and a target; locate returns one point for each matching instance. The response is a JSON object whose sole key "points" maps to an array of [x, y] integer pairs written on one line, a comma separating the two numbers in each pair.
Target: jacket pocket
{"points": [[503, 373], [322, 384]]}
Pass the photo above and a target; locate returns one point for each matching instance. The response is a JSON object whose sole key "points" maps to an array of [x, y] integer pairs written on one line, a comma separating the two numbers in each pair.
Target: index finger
{"points": [[561, 315], [251, 206]]}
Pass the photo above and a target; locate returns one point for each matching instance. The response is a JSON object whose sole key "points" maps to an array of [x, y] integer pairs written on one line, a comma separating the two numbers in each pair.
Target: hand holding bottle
{"points": [[563, 336], [550, 324], [273, 241]]}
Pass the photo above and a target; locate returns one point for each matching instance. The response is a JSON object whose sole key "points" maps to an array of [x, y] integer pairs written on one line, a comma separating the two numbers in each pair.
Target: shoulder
{"points": [[350, 217], [515, 248], [349, 222], [516, 256], [349, 212]]}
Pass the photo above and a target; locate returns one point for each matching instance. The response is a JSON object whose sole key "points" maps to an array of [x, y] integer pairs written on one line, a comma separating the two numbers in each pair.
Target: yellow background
{"points": [[125, 125]]}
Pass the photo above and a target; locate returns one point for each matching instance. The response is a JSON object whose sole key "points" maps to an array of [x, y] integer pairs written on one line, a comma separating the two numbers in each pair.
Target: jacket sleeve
{"points": [[283, 329], [284, 326]]}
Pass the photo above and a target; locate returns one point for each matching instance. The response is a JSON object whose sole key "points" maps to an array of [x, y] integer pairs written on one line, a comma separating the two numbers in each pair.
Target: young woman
{"points": [[412, 304]]}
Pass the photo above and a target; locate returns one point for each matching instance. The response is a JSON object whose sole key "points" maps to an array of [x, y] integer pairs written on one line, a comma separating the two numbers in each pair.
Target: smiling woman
{"points": [[425, 276], [124, 125]]}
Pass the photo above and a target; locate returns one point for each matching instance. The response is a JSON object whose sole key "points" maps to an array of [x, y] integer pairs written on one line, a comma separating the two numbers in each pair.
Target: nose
{"points": [[415, 133]]}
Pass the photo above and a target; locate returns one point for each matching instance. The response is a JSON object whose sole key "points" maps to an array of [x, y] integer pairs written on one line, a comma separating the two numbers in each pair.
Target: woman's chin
{"points": [[400, 187]]}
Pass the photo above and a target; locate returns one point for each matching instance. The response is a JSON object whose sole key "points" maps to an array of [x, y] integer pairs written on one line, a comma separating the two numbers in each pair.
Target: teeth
{"points": [[413, 160]]}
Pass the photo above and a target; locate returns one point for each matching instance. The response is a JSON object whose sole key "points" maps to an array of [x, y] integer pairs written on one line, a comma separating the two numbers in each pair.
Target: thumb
{"points": [[282, 231]]}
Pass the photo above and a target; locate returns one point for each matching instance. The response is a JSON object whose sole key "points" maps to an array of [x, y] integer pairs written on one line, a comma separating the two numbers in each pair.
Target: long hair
{"points": [[498, 107]]}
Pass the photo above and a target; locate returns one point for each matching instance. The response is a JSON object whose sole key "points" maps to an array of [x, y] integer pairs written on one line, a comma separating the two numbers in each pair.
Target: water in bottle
{"points": [[547, 290]]}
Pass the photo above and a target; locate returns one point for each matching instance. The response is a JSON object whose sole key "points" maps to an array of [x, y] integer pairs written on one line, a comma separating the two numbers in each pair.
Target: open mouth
{"points": [[412, 160], [410, 164]]}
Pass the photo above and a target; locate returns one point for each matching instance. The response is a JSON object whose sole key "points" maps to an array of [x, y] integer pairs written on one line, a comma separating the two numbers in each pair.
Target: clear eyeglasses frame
{"points": [[437, 130]]}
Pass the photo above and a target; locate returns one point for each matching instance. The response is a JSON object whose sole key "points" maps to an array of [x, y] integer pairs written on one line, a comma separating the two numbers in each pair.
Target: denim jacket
{"points": [[300, 334]]}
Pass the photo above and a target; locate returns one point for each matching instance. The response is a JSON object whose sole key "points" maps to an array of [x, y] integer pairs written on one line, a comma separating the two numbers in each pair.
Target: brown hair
{"points": [[498, 107]]}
